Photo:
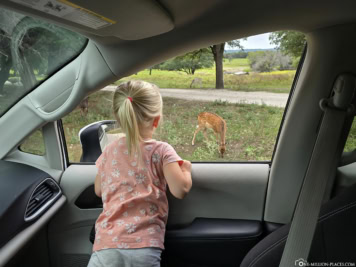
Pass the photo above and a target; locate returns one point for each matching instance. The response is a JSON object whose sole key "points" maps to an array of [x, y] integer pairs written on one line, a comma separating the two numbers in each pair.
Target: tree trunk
{"points": [[5, 59], [4, 73], [218, 52], [27, 75], [150, 71]]}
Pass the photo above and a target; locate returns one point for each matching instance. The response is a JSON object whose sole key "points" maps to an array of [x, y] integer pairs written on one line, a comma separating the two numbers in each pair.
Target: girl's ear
{"points": [[156, 121]]}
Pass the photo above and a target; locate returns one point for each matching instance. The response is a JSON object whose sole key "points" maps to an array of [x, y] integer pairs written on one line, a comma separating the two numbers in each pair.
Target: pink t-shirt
{"points": [[135, 205]]}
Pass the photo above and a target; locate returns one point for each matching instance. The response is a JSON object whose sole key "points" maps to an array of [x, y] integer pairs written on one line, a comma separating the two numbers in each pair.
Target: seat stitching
{"points": [[321, 219], [267, 250], [332, 213]]}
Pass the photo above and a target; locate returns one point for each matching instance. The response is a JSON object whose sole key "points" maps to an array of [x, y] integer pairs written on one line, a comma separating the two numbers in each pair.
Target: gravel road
{"points": [[270, 99]]}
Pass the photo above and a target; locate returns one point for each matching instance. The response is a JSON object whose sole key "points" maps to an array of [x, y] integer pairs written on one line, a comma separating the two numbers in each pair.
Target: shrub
{"points": [[266, 61]]}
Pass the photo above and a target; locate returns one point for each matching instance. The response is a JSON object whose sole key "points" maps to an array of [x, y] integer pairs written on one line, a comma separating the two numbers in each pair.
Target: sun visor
{"points": [[125, 19]]}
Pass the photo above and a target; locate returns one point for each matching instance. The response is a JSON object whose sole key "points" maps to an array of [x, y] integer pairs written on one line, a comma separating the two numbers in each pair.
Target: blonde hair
{"points": [[135, 105]]}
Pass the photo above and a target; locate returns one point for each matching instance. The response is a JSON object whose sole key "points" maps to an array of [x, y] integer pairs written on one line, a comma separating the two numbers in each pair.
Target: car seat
{"points": [[334, 238]]}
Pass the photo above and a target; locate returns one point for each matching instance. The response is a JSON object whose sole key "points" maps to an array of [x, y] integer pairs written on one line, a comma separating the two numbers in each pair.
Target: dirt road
{"points": [[270, 99]]}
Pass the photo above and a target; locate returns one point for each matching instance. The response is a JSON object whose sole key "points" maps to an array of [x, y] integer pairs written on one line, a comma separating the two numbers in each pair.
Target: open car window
{"points": [[30, 51], [237, 124]]}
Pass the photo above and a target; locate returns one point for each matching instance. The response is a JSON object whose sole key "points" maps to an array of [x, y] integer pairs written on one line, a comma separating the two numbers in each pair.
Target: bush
{"points": [[266, 61]]}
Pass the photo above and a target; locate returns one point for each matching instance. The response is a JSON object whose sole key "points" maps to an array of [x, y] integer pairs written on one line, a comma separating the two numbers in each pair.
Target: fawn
{"points": [[84, 105], [210, 120]]}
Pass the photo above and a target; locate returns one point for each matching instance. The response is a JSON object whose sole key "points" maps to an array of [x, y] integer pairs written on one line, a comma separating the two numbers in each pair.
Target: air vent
{"points": [[42, 198]]}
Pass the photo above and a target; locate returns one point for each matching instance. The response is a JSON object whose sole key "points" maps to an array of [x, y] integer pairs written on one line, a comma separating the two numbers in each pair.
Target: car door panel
{"points": [[204, 238], [226, 200], [69, 230], [221, 215], [225, 190]]}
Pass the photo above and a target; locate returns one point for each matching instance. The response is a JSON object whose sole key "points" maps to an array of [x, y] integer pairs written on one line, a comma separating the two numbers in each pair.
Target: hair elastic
{"points": [[130, 98]]}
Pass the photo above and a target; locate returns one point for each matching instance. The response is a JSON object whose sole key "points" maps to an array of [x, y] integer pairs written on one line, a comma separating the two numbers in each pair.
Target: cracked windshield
{"points": [[30, 51], [224, 102]]}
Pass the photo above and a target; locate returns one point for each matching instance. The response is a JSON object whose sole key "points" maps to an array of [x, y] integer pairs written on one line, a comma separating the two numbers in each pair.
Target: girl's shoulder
{"points": [[155, 144], [114, 145]]}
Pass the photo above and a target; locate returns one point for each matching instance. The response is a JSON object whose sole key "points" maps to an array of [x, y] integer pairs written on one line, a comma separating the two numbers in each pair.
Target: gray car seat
{"points": [[334, 239]]}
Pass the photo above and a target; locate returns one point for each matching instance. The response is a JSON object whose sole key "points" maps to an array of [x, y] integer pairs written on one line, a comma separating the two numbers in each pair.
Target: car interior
{"points": [[237, 213]]}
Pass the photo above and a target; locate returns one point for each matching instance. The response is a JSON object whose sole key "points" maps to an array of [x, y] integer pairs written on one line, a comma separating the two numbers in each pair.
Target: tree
{"points": [[155, 67], [5, 58], [218, 53], [189, 62], [231, 55], [289, 42]]}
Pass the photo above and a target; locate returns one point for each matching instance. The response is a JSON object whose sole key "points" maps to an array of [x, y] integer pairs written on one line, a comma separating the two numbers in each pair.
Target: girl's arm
{"points": [[179, 179], [97, 185]]}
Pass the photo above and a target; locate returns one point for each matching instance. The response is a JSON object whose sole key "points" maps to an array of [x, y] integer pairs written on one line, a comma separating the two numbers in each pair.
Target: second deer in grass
{"points": [[210, 120], [84, 106]]}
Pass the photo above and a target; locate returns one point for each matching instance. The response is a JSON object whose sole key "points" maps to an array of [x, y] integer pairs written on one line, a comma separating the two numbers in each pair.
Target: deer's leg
{"points": [[195, 133], [217, 137], [205, 134]]}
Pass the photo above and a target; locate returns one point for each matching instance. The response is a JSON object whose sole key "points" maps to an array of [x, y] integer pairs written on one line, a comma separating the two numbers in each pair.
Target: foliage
{"points": [[240, 54], [46, 49], [277, 82], [266, 61], [289, 42], [37, 48], [189, 62], [351, 139], [5, 58]]}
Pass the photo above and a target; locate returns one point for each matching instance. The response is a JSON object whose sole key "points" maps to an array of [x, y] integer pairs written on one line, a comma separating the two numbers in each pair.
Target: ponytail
{"points": [[128, 121], [135, 104]]}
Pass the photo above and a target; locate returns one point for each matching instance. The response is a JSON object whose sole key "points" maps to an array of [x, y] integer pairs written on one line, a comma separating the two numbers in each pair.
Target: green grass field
{"points": [[277, 82], [251, 129], [237, 63]]}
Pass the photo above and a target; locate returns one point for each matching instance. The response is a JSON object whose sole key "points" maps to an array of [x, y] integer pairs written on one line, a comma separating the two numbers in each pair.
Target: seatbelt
{"points": [[321, 165]]}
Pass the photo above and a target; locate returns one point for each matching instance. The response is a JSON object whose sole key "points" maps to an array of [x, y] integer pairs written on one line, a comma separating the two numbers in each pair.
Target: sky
{"points": [[255, 42]]}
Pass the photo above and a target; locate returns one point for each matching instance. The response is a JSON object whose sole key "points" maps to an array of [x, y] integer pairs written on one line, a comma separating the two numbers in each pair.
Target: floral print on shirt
{"points": [[134, 196]]}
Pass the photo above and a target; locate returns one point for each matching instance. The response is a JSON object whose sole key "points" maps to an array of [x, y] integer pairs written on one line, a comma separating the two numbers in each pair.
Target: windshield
{"points": [[30, 51]]}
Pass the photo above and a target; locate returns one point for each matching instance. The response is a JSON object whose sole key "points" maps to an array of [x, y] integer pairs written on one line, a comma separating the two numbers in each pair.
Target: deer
{"points": [[84, 105], [210, 120]]}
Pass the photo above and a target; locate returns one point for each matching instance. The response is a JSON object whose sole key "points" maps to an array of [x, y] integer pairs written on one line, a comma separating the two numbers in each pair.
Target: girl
{"points": [[133, 173]]}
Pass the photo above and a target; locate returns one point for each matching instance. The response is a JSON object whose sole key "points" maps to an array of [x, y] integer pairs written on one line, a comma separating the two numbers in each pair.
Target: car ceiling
{"points": [[200, 22]]}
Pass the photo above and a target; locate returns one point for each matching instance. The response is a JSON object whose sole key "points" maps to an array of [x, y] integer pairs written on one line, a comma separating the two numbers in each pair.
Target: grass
{"points": [[237, 63], [276, 82], [99, 109], [34, 144], [351, 139], [251, 129]]}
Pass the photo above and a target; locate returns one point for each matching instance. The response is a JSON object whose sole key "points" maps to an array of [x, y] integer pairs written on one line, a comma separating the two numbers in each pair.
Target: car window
{"points": [[249, 102], [351, 139], [30, 51], [34, 144]]}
